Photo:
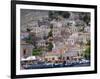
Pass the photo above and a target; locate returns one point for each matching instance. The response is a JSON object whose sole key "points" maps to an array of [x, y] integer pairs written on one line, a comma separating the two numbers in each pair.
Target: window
{"points": [[24, 52]]}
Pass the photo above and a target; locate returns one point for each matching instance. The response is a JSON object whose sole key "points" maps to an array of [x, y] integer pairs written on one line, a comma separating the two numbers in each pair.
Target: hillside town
{"points": [[52, 39]]}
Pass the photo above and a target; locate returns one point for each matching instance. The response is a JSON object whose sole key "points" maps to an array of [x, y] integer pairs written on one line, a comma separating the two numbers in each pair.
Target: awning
{"points": [[31, 58], [28, 58]]}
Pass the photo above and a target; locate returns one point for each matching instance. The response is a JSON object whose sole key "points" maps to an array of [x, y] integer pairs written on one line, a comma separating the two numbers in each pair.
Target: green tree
{"points": [[65, 15], [86, 18], [87, 53], [88, 42], [37, 52], [55, 14], [81, 29], [31, 39], [50, 34], [52, 15], [50, 46]]}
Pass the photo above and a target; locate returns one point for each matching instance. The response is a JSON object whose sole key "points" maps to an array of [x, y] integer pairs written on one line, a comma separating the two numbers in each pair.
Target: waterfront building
{"points": [[25, 49]]}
